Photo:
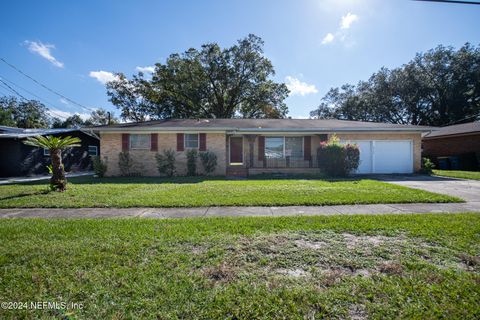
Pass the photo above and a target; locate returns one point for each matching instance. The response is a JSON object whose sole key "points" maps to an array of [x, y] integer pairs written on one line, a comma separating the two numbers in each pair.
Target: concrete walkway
{"points": [[240, 211], [42, 177]]}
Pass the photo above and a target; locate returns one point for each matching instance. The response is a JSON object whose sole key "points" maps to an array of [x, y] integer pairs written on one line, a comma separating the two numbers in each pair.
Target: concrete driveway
{"points": [[469, 190]]}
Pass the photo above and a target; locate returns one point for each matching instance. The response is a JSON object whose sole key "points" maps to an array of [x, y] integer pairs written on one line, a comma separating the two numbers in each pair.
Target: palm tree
{"points": [[55, 145]]}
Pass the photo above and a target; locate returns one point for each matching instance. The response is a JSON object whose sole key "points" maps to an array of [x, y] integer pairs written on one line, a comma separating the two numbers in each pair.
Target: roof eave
{"points": [[452, 135], [256, 130]]}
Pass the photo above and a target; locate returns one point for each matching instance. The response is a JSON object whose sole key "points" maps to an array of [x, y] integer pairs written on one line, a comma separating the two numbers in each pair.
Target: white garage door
{"points": [[365, 156], [393, 157], [385, 156]]}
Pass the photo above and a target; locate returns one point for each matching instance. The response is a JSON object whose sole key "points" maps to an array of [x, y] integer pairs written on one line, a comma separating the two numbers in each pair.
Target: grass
{"points": [[394, 266], [198, 191], [473, 175]]}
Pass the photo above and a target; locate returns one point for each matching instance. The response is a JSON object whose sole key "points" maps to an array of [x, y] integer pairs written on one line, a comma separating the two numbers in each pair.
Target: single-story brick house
{"points": [[253, 146], [18, 159], [454, 147]]}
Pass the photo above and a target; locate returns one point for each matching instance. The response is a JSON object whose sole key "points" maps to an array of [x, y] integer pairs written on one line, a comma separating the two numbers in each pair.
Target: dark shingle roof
{"points": [[11, 132], [456, 129], [259, 125]]}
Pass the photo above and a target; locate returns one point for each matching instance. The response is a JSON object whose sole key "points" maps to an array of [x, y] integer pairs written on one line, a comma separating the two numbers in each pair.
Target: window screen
{"points": [[191, 140], [139, 141]]}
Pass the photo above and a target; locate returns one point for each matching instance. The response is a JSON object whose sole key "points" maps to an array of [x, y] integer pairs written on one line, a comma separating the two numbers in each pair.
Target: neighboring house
{"points": [[454, 147], [252, 146], [18, 159]]}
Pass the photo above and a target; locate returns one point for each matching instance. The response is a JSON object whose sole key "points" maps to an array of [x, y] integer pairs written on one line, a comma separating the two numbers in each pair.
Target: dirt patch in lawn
{"points": [[327, 257], [357, 312]]}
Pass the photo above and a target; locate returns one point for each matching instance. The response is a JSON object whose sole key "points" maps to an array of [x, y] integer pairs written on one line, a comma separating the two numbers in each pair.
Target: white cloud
{"points": [[43, 50], [348, 20], [328, 38], [342, 32], [65, 114], [297, 87], [64, 101], [146, 69], [103, 76]]}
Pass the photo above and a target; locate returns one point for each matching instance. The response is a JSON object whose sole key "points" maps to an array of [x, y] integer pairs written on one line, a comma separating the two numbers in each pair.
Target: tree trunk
{"points": [[58, 180]]}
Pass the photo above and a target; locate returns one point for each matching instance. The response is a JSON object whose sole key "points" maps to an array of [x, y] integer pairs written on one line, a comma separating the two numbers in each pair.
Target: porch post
{"points": [[251, 147]]}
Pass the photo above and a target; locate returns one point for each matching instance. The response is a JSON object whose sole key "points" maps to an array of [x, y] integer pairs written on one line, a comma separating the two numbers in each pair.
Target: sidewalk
{"points": [[42, 177], [240, 211]]}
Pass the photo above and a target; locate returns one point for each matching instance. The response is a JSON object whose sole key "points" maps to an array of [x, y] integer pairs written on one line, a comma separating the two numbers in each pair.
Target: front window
{"points": [[92, 150], [274, 147], [294, 147], [139, 141], [46, 152], [191, 141], [281, 147]]}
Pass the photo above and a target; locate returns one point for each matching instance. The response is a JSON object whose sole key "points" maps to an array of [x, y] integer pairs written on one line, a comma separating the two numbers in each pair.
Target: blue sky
{"points": [[314, 44]]}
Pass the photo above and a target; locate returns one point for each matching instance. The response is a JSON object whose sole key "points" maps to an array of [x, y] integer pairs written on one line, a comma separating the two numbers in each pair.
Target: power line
{"points": [[44, 86], [25, 99], [466, 118], [4, 90], [33, 94], [13, 90]]}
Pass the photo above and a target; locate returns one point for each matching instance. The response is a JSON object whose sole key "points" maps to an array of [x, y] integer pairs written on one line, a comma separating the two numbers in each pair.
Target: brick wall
{"points": [[451, 146], [144, 160], [466, 147], [111, 146]]}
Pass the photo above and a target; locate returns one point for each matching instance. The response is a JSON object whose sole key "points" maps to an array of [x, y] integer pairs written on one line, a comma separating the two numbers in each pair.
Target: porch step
{"points": [[237, 171]]}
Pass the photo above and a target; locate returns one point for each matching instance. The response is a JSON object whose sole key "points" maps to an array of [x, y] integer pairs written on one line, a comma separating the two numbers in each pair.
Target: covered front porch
{"points": [[254, 154]]}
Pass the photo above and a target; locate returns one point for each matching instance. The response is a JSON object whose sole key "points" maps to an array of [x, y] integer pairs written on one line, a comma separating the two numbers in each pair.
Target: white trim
{"points": [[185, 140], [372, 148], [233, 130], [284, 144], [139, 134], [96, 150], [46, 152]]}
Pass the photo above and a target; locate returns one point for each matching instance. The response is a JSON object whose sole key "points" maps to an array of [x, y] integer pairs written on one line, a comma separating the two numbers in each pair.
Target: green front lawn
{"points": [[198, 191], [376, 267], [474, 175]]}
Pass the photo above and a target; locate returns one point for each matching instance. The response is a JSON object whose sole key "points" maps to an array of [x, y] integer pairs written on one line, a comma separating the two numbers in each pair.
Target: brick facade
{"points": [[464, 145], [145, 162], [451, 146]]}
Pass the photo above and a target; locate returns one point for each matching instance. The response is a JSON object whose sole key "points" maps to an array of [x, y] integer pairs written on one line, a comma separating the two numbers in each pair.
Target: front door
{"points": [[236, 150]]}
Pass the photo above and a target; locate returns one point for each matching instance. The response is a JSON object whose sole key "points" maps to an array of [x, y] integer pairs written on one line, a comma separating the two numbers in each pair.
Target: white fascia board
{"points": [[162, 130], [260, 130], [326, 131]]}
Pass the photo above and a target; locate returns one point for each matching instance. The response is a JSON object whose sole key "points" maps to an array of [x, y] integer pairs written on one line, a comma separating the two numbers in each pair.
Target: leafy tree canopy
{"points": [[23, 114], [74, 121], [33, 114], [439, 87], [207, 83], [97, 117], [101, 117]]}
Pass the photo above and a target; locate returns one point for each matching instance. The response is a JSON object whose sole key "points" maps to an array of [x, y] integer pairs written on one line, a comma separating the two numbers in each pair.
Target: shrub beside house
{"points": [[256, 146]]}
